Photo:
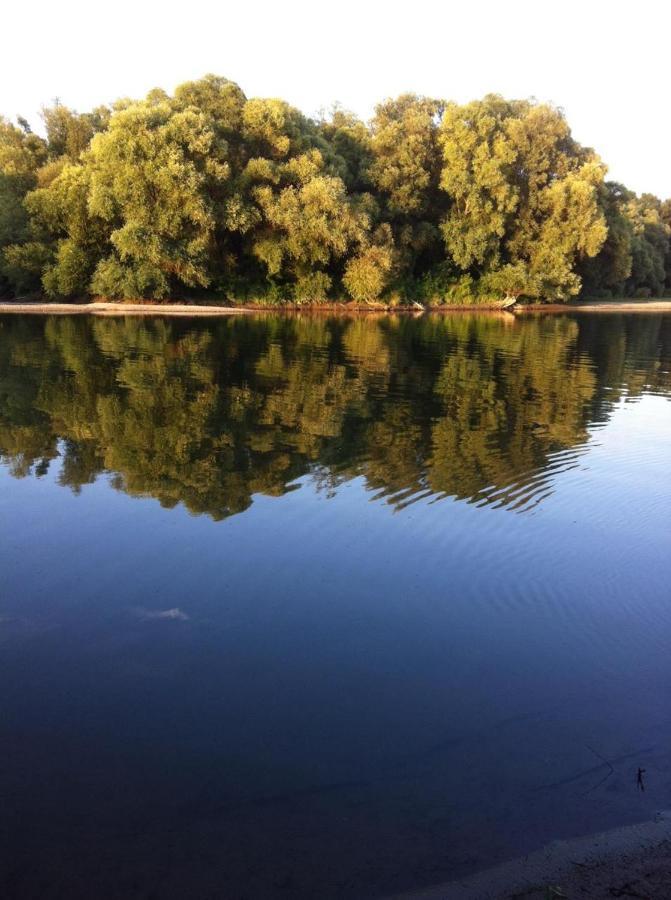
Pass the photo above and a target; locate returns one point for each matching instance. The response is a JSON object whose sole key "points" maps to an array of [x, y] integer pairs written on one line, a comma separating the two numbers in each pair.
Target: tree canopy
{"points": [[210, 193]]}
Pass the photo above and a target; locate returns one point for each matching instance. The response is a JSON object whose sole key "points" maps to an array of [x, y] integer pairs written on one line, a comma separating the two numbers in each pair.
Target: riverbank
{"points": [[634, 861], [121, 309], [98, 308], [600, 306]]}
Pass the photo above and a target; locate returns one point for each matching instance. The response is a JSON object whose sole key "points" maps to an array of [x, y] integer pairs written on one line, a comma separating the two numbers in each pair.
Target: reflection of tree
{"points": [[207, 416], [509, 400]]}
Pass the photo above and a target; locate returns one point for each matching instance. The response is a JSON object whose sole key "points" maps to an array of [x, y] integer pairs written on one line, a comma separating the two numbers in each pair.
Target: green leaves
{"points": [[406, 158], [635, 258], [309, 224], [150, 174], [365, 275], [249, 198], [524, 196]]}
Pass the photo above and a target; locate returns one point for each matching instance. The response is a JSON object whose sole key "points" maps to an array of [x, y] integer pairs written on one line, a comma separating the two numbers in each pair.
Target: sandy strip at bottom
{"points": [[633, 861]]}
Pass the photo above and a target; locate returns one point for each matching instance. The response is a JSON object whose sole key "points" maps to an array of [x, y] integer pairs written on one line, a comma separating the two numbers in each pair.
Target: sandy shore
{"points": [[634, 861], [121, 309], [600, 306], [187, 309]]}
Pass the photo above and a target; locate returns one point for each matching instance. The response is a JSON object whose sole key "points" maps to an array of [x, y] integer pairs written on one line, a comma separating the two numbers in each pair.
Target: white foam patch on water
{"points": [[149, 615]]}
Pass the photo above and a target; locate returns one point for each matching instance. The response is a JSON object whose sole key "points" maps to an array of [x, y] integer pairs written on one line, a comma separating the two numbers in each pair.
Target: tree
{"points": [[522, 193], [650, 246], [607, 273], [21, 155], [308, 224], [68, 132], [149, 175], [405, 170], [366, 275], [70, 240], [350, 142], [208, 190]]}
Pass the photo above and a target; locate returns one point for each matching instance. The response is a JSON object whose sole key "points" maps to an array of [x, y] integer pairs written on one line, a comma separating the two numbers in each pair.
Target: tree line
{"points": [[206, 193]]}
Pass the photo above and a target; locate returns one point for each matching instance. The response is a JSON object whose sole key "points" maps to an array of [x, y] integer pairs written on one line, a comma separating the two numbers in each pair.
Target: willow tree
{"points": [[350, 140], [21, 155], [406, 170], [73, 240], [69, 133], [650, 246], [665, 217], [607, 273], [248, 198], [290, 205], [308, 224], [523, 196], [150, 173]]}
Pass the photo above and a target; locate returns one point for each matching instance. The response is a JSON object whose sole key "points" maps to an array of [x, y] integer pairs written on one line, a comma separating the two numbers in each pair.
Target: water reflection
{"points": [[484, 408], [318, 698]]}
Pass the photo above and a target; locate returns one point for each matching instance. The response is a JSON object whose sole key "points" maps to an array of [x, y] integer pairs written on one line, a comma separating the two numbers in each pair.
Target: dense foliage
{"points": [[468, 406], [209, 193]]}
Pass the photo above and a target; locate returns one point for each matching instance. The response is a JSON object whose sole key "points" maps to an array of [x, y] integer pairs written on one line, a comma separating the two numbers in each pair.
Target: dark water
{"points": [[327, 607]]}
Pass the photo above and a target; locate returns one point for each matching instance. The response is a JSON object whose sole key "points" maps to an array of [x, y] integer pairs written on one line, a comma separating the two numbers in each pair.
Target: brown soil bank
{"points": [[193, 309], [634, 861]]}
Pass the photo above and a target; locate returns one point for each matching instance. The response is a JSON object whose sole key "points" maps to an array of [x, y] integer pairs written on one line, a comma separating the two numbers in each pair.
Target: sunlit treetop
{"points": [[208, 191]]}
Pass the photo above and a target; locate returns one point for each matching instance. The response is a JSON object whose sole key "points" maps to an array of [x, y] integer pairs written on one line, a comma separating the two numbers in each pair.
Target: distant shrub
{"points": [[70, 274], [312, 288], [22, 265], [463, 290], [366, 275], [112, 278], [600, 294]]}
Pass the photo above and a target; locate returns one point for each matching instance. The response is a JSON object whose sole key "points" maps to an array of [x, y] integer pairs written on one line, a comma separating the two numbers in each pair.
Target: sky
{"points": [[604, 63]]}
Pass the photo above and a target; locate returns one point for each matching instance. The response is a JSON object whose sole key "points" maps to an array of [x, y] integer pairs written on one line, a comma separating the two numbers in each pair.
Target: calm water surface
{"points": [[327, 607]]}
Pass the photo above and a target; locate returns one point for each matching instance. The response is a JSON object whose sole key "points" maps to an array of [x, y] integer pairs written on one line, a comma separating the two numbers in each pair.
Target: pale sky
{"points": [[605, 63]]}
